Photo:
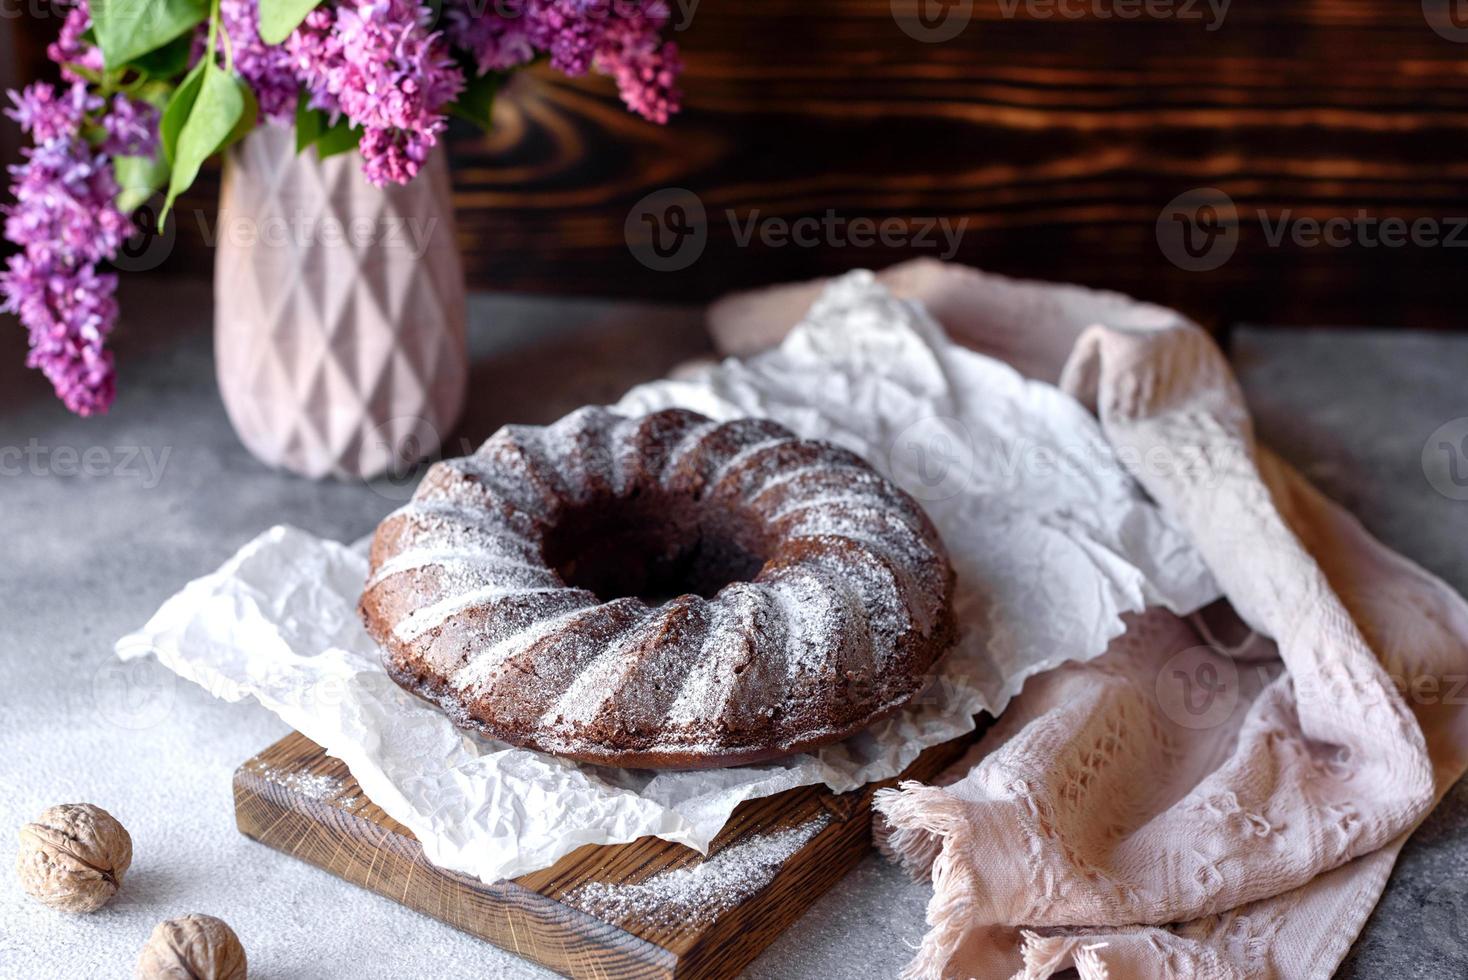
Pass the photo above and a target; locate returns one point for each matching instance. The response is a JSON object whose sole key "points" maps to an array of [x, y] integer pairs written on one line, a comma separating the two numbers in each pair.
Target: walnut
{"points": [[73, 857], [194, 947]]}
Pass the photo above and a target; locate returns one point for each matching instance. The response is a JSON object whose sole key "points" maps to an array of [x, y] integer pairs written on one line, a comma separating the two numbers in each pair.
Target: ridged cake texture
{"points": [[661, 591]]}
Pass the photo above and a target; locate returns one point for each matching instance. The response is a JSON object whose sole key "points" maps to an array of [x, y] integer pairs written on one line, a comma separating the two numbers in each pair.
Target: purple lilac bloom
{"points": [[268, 69], [66, 220], [620, 38], [645, 67], [497, 39], [570, 31], [376, 62], [70, 49], [131, 127], [68, 312], [65, 208], [48, 115]]}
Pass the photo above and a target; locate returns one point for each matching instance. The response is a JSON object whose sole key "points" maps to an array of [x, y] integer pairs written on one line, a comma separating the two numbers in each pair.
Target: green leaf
{"points": [[128, 29], [476, 102], [248, 117], [156, 94], [139, 179], [279, 18], [341, 137], [176, 113], [310, 123], [214, 117], [315, 128], [167, 61]]}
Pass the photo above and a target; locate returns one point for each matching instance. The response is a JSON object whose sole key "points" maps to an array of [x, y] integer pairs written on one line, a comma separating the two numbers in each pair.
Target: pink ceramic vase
{"points": [[339, 310]]}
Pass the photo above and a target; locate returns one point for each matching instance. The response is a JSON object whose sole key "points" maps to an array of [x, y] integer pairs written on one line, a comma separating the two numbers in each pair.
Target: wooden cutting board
{"points": [[639, 910]]}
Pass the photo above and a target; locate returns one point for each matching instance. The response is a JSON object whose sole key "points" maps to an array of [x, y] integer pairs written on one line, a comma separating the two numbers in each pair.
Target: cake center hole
{"points": [[653, 548]]}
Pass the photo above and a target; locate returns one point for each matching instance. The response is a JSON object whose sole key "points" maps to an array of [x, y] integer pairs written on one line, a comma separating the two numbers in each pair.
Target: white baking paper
{"points": [[1051, 539]]}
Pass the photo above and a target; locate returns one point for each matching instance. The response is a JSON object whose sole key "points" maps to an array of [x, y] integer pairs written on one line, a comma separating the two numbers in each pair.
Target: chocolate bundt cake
{"points": [[663, 591]]}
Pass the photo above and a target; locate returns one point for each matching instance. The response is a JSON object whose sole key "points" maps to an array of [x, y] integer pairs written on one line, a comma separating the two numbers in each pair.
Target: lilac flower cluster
{"points": [[66, 221], [620, 38], [376, 62], [70, 51], [269, 70]]}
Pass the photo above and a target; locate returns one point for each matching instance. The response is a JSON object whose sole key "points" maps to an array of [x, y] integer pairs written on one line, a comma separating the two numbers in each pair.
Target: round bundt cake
{"points": [[663, 591]]}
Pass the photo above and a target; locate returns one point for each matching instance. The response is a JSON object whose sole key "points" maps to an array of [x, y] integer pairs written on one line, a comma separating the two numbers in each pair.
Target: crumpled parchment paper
{"points": [[1051, 539]]}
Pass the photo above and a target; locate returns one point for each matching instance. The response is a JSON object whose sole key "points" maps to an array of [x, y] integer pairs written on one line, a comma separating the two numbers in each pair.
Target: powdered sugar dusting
{"points": [[851, 553], [597, 683], [812, 613], [316, 786], [483, 664], [698, 894], [470, 566], [430, 617]]}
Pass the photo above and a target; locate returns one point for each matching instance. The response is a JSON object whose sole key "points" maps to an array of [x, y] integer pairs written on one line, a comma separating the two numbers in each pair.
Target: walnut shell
{"points": [[73, 857], [193, 947]]}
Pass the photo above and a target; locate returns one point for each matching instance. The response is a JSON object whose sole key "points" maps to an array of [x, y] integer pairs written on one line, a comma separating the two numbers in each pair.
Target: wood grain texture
{"points": [[1058, 140], [1059, 143], [296, 799], [10, 77]]}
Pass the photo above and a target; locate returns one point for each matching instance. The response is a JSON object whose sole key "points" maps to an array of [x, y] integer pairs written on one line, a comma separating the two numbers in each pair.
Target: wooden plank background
{"points": [[1058, 140], [10, 76]]}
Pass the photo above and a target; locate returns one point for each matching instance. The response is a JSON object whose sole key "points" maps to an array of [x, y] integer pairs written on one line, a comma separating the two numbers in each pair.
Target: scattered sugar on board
{"points": [[317, 786], [700, 893]]}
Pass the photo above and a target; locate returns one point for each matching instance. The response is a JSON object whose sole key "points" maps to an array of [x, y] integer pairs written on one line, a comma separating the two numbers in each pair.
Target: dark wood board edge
{"points": [[342, 832], [508, 915]]}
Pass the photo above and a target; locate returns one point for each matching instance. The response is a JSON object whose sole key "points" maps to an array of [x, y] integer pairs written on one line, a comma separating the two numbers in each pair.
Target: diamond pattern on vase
{"points": [[339, 310]]}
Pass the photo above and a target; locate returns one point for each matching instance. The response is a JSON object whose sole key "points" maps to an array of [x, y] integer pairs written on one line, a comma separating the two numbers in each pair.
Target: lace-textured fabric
{"points": [[1182, 808]]}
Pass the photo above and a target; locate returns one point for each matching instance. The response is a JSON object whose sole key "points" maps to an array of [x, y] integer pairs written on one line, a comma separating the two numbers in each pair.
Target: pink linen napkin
{"points": [[1180, 807]]}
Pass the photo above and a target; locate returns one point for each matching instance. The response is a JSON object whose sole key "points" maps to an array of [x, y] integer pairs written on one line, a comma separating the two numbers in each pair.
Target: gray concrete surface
{"points": [[89, 557]]}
